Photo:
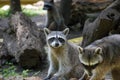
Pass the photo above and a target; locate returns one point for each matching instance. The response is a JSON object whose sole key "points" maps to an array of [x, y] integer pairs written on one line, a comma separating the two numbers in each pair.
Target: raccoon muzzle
{"points": [[89, 68]]}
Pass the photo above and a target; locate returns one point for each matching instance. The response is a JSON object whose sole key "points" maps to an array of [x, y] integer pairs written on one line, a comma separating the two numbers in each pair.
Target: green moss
{"points": [[4, 13], [76, 40], [11, 70], [28, 12]]}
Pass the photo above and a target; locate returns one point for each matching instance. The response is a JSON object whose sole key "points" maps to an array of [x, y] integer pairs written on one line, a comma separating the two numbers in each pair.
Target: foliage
{"points": [[28, 12], [4, 13], [76, 40], [10, 70]]}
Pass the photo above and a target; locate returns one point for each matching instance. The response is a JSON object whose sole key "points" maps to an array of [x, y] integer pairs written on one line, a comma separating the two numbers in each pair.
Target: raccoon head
{"points": [[56, 39], [90, 58]]}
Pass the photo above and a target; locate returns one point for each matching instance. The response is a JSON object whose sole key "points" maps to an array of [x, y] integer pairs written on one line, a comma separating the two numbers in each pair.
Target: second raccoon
{"points": [[100, 57]]}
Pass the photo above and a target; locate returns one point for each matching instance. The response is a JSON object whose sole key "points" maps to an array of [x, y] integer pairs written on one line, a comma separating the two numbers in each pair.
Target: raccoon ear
{"points": [[98, 50], [80, 49], [46, 31], [66, 31]]}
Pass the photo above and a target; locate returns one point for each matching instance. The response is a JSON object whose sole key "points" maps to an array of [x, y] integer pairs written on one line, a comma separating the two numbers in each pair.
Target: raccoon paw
{"points": [[46, 78], [54, 78]]}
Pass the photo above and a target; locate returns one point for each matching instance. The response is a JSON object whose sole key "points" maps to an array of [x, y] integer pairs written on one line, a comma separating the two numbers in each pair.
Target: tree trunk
{"points": [[90, 6], [24, 41], [102, 25], [55, 18], [15, 6], [65, 8]]}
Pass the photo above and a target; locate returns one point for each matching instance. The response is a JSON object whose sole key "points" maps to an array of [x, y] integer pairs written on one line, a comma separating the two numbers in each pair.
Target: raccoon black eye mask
{"points": [[51, 40], [59, 39], [90, 66]]}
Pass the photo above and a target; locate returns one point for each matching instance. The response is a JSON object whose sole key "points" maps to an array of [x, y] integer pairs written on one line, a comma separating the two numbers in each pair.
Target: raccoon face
{"points": [[90, 58], [56, 38]]}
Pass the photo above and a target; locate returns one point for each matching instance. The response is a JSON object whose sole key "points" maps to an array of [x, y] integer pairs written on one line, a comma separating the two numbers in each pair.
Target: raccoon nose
{"points": [[56, 44], [90, 73]]}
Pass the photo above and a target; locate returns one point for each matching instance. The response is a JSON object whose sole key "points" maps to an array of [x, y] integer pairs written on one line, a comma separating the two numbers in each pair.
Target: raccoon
{"points": [[101, 57], [62, 55]]}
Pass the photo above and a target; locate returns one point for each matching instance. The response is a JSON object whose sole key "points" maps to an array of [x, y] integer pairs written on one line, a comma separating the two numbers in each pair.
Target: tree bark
{"points": [[24, 41], [65, 8], [102, 25], [55, 18], [15, 6], [90, 6]]}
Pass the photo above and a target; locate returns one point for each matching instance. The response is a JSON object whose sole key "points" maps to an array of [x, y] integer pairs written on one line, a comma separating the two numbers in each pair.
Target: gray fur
{"points": [[64, 60], [106, 58]]}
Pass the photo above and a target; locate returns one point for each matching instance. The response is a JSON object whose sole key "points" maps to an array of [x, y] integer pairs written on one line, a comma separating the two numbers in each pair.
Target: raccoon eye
{"points": [[51, 39], [61, 40]]}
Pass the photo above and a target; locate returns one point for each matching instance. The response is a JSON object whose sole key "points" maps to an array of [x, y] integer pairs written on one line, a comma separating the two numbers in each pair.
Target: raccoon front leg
{"points": [[53, 67], [98, 75], [59, 76], [64, 68], [116, 74], [84, 77]]}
